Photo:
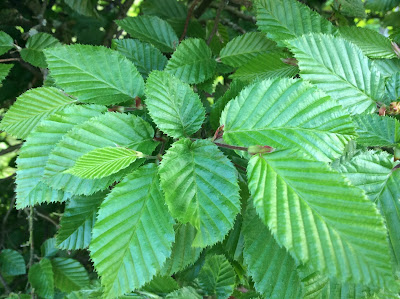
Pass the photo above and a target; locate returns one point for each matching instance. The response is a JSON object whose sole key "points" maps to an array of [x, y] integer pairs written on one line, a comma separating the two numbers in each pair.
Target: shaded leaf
{"points": [[83, 7], [11, 263], [69, 274], [393, 88], [4, 70], [41, 278], [6, 42], [184, 293], [381, 5], [33, 51]]}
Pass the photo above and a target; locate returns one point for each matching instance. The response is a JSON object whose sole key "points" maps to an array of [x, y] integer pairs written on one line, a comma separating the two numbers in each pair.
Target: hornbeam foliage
{"points": [[217, 149]]}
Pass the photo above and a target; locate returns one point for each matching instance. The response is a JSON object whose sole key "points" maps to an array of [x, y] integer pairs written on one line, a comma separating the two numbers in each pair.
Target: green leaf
{"points": [[387, 67], [184, 293], [48, 248], [85, 294], [151, 29], [42, 102], [69, 274], [245, 47], [310, 210], [94, 74], [372, 43], [109, 129], [349, 78], [375, 130], [173, 105], [161, 285], [271, 267], [217, 277], [393, 88], [183, 254], [78, 220], [205, 193], [33, 51], [350, 8], [41, 278], [11, 263], [4, 70], [286, 19], [35, 152], [6, 42], [381, 5], [167, 9], [133, 234], [287, 113], [192, 61], [145, 57], [83, 7], [266, 66], [102, 162]]}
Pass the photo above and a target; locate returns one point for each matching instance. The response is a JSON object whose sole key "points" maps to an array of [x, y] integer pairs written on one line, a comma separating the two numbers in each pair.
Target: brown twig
{"points": [[216, 21], [31, 245], [4, 283], [4, 221], [48, 219], [234, 147], [10, 59], [10, 149], [233, 25], [189, 15], [112, 27]]}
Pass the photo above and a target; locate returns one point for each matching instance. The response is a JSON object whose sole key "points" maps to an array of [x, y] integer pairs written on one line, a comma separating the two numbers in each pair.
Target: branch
{"points": [[32, 248], [10, 149], [10, 59], [202, 8], [4, 222], [216, 21], [4, 283], [233, 25], [189, 15], [48, 219]]}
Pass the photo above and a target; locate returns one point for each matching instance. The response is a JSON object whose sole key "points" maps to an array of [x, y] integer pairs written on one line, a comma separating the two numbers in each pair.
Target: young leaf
{"points": [[4, 70], [143, 55], [11, 263], [6, 42], [109, 129], [151, 29], [133, 234], [33, 51], [287, 113], [78, 220], [173, 105], [69, 274], [340, 69], [102, 162], [217, 277], [42, 102], [205, 193], [310, 210], [286, 19], [192, 61], [94, 74], [83, 7], [245, 47], [41, 278], [36, 150]]}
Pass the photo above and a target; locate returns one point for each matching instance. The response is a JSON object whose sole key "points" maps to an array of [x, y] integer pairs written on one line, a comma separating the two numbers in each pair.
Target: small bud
{"points": [[394, 108], [260, 149]]}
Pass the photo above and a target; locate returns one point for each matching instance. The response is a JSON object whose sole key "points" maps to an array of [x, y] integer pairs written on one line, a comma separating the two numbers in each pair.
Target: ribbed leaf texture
{"points": [[287, 113], [183, 254], [393, 88], [245, 47], [286, 19], [83, 7], [145, 57], [133, 234], [48, 248], [102, 162], [184, 293], [351, 8], [372, 43], [151, 29], [271, 267], [33, 51], [381, 5], [35, 152], [78, 220], [192, 61], [161, 285], [375, 130], [205, 192], [109, 129], [217, 277], [69, 274], [339, 68], [173, 105], [41, 278], [42, 102], [266, 66], [85, 294], [310, 210], [94, 74], [6, 42], [4, 70], [168, 9], [387, 67], [11, 263]]}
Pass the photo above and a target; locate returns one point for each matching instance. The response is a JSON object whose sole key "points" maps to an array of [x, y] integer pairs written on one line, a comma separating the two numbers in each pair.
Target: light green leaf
{"points": [[11, 263], [387, 67], [102, 162], [35, 152], [375, 130], [6, 42], [184, 293], [205, 193], [266, 66], [310, 210], [41, 278], [133, 234], [350, 8], [173, 105], [339, 68], [286, 19], [109, 129], [151, 29], [42, 102], [69, 274], [83, 7], [217, 277], [33, 51], [245, 47], [85, 294], [372, 43], [94, 74], [4, 70], [271, 267], [167, 9], [381, 5], [78, 220], [143, 55], [192, 61], [288, 113], [393, 88]]}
